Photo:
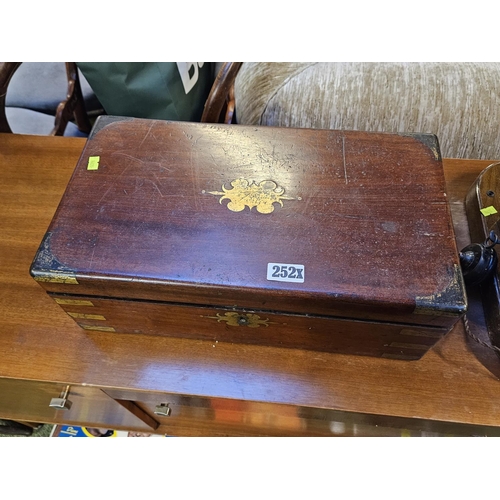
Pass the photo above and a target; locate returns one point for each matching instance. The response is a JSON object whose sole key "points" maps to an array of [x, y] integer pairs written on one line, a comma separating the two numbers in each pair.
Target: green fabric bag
{"points": [[165, 91]]}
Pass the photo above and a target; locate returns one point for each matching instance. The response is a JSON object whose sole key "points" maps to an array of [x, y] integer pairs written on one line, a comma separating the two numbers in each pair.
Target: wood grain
{"points": [[365, 213], [324, 334], [90, 406]]}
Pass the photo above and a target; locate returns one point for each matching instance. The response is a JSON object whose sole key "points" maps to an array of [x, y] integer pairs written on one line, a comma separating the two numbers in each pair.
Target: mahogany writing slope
{"points": [[325, 240]]}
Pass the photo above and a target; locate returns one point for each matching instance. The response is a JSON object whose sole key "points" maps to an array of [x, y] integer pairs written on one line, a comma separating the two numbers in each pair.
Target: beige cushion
{"points": [[459, 102]]}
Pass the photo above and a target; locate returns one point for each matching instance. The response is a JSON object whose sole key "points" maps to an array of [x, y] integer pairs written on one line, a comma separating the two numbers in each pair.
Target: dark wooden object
{"points": [[183, 219], [484, 195], [220, 104], [7, 70], [222, 388], [72, 107]]}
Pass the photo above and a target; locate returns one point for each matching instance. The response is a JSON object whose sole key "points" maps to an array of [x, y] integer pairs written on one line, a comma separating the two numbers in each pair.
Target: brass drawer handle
{"points": [[62, 402], [163, 410]]}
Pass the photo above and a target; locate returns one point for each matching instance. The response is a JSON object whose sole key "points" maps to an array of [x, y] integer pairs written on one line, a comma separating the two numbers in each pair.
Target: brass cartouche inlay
{"points": [[249, 194]]}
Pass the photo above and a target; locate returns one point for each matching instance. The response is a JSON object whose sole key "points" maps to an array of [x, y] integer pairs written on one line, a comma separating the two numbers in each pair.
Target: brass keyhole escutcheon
{"points": [[239, 319], [243, 321]]}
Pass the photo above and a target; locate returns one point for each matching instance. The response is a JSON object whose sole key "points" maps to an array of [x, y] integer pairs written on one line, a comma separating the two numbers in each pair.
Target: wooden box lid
{"points": [[194, 213]]}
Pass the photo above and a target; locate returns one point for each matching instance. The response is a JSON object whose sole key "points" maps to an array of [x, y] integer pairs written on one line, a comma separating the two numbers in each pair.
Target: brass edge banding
{"points": [[97, 328], [87, 316], [73, 302], [65, 279], [46, 268]]}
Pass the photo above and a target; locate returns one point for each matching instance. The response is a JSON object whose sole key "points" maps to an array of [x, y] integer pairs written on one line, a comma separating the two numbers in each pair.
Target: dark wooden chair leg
{"points": [[219, 107], [7, 70], [73, 106]]}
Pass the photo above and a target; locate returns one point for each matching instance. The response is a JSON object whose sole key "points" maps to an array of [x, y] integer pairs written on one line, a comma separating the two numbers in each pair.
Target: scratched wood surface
{"points": [[456, 381], [204, 208]]}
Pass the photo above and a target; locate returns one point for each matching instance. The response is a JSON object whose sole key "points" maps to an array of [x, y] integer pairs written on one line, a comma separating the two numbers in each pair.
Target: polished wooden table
{"points": [[186, 387]]}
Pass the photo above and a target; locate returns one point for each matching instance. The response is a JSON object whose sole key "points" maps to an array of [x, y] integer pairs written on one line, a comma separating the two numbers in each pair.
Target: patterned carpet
{"points": [[41, 431]]}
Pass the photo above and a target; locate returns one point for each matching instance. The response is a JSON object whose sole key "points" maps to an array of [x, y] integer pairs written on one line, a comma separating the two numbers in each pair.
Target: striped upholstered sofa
{"points": [[459, 102]]}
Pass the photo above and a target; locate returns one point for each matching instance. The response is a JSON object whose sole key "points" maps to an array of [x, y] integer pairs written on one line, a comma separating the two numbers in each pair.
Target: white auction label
{"points": [[285, 272]]}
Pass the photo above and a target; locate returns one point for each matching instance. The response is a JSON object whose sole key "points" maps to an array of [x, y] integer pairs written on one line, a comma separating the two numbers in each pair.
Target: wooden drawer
{"points": [[29, 401], [182, 415], [204, 416]]}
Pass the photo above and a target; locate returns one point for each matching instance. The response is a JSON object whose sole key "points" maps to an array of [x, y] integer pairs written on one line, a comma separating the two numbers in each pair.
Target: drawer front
{"points": [[183, 415], [180, 415], [251, 327], [89, 406]]}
